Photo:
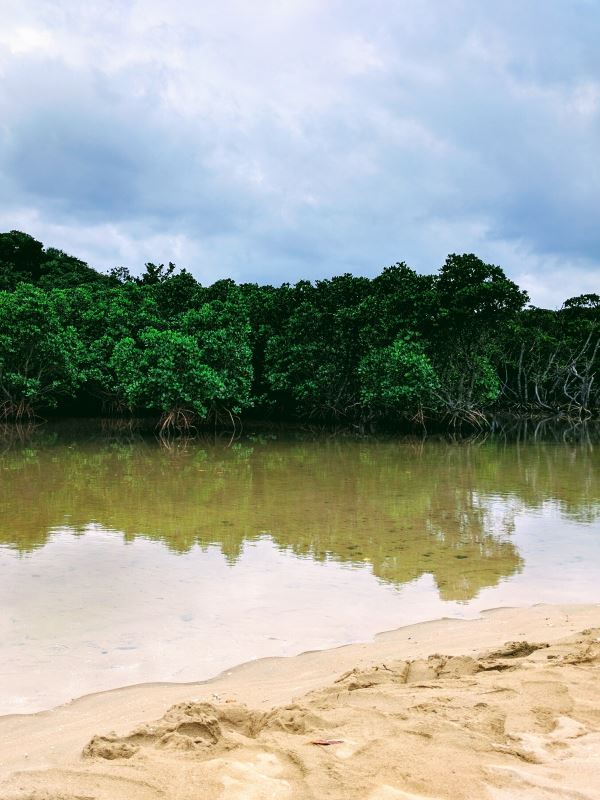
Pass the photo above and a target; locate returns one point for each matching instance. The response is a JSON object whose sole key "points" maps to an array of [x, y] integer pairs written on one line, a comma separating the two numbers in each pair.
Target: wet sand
{"points": [[444, 709]]}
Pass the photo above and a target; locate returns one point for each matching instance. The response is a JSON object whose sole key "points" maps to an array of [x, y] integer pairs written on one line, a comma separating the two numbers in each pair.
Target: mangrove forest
{"points": [[402, 348]]}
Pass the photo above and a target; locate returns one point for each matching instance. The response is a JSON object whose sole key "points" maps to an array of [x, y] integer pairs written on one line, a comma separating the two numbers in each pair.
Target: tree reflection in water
{"points": [[405, 507]]}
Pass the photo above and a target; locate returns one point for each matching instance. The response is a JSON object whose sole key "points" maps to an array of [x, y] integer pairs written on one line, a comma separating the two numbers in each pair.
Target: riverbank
{"points": [[487, 721]]}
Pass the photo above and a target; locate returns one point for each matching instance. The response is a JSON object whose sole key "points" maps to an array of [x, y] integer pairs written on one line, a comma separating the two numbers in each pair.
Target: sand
{"points": [[505, 706]]}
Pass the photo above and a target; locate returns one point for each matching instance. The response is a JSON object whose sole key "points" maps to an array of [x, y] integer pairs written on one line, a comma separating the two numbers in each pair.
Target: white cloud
{"points": [[300, 138]]}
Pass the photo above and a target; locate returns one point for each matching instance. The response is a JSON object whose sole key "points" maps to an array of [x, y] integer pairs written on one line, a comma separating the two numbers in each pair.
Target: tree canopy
{"points": [[452, 346]]}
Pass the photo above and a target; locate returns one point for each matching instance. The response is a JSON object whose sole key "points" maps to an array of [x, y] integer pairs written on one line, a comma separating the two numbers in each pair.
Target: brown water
{"points": [[125, 561]]}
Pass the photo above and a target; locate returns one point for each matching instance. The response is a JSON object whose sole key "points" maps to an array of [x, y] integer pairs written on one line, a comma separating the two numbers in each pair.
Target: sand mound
{"points": [[200, 727], [521, 720]]}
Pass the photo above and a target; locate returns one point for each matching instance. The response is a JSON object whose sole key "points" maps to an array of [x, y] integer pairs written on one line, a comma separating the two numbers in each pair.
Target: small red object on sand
{"points": [[326, 742]]}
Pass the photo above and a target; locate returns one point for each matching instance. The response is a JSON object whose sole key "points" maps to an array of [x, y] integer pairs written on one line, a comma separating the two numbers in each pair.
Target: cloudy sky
{"points": [[286, 139]]}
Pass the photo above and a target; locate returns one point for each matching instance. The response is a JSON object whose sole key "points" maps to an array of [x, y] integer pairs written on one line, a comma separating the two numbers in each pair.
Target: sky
{"points": [[288, 139]]}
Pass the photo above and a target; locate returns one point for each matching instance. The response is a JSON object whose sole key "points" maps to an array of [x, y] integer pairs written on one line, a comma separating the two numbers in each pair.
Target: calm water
{"points": [[126, 561]]}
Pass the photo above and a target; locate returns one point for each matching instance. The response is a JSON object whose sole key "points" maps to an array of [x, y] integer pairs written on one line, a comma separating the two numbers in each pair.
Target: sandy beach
{"points": [[505, 706]]}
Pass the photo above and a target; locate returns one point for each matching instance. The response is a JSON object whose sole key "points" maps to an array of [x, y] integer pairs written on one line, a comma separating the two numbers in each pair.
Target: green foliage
{"points": [[473, 304], [202, 364], [21, 258], [223, 331], [455, 346], [551, 358], [166, 371], [60, 270], [180, 293], [311, 361], [40, 359], [468, 384], [398, 378], [471, 294], [103, 317], [156, 273]]}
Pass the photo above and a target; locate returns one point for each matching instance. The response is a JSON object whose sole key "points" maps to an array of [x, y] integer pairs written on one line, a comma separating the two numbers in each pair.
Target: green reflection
{"points": [[405, 508]]}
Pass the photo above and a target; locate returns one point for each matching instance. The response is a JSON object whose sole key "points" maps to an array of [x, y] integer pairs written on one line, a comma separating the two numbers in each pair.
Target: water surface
{"points": [[125, 560]]}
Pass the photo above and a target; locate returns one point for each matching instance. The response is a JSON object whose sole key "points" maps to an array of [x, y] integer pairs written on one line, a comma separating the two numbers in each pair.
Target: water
{"points": [[127, 560]]}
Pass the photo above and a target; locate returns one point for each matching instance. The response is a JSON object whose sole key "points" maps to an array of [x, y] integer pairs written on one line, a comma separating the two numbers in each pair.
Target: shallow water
{"points": [[127, 560]]}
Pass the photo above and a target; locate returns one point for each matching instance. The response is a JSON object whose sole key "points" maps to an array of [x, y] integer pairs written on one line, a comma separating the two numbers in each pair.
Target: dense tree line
{"points": [[453, 346]]}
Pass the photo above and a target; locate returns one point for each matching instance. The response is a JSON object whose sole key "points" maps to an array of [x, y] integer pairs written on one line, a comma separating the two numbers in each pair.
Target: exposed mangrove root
{"points": [[177, 420], [18, 411], [114, 406], [222, 417], [472, 417]]}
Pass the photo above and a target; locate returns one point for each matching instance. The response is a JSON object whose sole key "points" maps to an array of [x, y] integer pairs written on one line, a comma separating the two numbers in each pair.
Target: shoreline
{"points": [[32, 744], [498, 423], [243, 665]]}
